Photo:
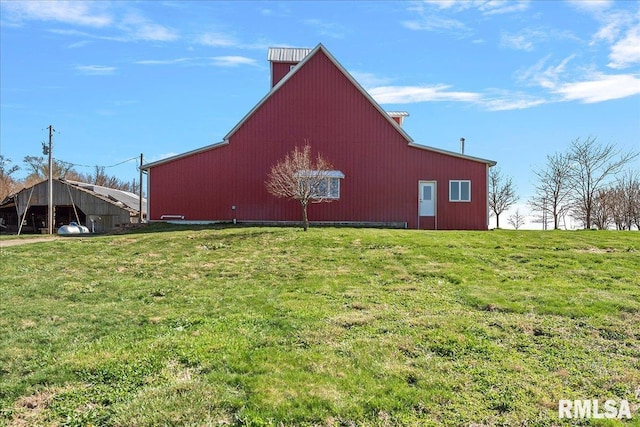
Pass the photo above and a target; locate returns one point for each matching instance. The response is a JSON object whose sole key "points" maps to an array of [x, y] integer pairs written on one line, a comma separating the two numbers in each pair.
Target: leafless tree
{"points": [[602, 209], [8, 185], [101, 178], [516, 219], [40, 168], [502, 193], [299, 177], [592, 167], [552, 197], [626, 200]]}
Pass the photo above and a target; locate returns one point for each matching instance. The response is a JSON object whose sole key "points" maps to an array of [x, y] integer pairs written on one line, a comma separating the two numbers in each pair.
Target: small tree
{"points": [[516, 219], [300, 178], [552, 192], [593, 165], [502, 193]]}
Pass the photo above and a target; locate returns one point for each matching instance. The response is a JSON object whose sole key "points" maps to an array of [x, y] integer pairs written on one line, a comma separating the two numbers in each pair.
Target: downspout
{"points": [[486, 184], [148, 194]]}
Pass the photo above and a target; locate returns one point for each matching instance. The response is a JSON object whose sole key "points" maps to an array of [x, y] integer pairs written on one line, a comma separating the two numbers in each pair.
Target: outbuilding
{"points": [[383, 176], [101, 209]]}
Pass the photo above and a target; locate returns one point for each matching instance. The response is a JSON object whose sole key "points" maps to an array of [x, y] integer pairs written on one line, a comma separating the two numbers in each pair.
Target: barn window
{"points": [[460, 191], [322, 184]]}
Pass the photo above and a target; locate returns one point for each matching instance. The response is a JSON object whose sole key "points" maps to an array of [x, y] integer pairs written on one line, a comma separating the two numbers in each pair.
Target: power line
{"points": [[98, 166]]}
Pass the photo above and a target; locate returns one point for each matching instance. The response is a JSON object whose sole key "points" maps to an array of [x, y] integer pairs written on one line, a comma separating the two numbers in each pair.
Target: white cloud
{"points": [[218, 61], [591, 6], [96, 70], [516, 41], [98, 15], [232, 61], [369, 79], [499, 7], [487, 7], [545, 76], [164, 61], [599, 88], [412, 94], [328, 29], [90, 14], [140, 28], [626, 51], [216, 40], [528, 38], [435, 23], [490, 100]]}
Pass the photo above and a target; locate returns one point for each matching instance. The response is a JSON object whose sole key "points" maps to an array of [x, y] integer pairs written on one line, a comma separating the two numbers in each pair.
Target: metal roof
{"points": [[287, 54], [123, 198], [397, 113]]}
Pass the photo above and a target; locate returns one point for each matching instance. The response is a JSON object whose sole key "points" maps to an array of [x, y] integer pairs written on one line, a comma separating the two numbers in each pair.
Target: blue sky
{"points": [[518, 80]]}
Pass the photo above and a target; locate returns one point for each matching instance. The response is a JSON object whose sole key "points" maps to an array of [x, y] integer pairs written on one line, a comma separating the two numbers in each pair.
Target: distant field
{"points": [[332, 327]]}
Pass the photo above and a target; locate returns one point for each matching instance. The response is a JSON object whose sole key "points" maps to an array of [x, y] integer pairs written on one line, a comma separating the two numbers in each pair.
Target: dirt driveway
{"points": [[16, 242]]}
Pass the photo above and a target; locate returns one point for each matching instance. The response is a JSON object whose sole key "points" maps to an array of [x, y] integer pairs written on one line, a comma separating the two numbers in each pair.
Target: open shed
{"points": [[99, 208]]}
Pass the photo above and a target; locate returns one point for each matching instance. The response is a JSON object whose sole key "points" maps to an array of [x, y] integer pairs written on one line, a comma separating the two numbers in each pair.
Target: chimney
{"points": [[461, 145]]}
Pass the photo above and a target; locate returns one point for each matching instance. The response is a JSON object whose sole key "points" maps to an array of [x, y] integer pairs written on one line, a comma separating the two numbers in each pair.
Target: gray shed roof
{"points": [[287, 54], [124, 198]]}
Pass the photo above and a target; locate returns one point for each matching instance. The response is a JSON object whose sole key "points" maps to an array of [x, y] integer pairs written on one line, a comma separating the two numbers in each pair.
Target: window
{"points": [[459, 191], [320, 184]]}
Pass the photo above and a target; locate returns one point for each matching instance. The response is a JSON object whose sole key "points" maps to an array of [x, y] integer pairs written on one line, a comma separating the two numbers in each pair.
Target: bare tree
{"points": [[593, 165], [40, 168], [502, 193], [626, 200], [8, 185], [516, 219], [301, 178], [552, 195], [602, 209]]}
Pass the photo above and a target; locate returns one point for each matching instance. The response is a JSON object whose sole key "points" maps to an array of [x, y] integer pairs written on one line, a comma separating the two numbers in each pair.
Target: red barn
{"points": [[381, 176]]}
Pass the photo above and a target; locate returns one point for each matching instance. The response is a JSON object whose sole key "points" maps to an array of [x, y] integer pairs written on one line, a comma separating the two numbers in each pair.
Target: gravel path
{"points": [[16, 242]]}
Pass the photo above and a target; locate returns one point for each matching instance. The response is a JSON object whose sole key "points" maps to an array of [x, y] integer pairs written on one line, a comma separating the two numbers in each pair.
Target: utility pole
{"points": [[49, 150], [140, 212]]}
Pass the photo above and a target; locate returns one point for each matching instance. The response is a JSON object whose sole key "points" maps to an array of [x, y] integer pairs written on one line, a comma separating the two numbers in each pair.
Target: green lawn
{"points": [[332, 327]]}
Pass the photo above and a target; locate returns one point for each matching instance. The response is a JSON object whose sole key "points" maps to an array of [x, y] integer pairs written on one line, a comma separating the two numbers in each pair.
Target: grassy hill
{"points": [[273, 326]]}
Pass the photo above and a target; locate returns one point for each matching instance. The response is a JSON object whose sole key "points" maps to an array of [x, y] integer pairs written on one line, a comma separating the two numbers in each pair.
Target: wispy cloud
{"points": [[528, 38], [440, 15], [139, 28], [216, 40], [328, 29], [490, 100], [626, 51], [95, 70], [369, 79], [217, 61], [544, 75], [599, 88], [436, 23], [124, 24], [91, 14], [232, 61], [413, 94]]}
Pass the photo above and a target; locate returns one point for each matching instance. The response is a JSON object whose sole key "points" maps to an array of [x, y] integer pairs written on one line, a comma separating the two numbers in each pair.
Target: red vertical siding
{"points": [[318, 105]]}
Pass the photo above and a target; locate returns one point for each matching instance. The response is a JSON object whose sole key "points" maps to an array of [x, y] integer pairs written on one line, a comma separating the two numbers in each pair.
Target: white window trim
{"points": [[459, 181], [332, 177]]}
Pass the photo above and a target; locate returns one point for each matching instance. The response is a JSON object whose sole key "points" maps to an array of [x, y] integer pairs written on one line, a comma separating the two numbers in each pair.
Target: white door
{"points": [[427, 198]]}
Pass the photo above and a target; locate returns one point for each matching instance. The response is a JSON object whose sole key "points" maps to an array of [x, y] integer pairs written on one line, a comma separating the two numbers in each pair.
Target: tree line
{"points": [[589, 182], [38, 170]]}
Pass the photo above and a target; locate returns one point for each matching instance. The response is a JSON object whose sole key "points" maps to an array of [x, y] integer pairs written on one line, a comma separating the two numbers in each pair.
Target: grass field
{"points": [[332, 327]]}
